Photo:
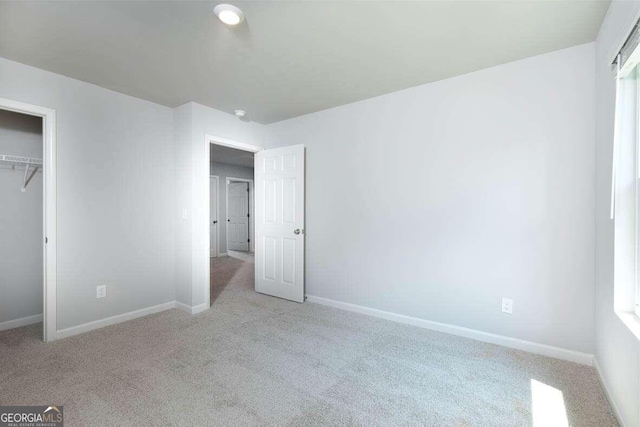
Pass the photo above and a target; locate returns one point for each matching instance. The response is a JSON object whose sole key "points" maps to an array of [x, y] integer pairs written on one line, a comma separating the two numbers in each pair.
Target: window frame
{"points": [[635, 74], [626, 193]]}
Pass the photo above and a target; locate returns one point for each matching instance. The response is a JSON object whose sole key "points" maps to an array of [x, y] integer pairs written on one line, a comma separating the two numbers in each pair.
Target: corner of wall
{"points": [[183, 128], [192, 123], [617, 351]]}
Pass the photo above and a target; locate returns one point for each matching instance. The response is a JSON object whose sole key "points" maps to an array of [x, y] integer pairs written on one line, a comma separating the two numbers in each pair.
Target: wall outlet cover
{"points": [[101, 291], [507, 305]]}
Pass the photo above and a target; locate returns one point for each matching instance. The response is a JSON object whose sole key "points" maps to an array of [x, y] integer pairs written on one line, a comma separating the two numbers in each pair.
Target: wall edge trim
{"points": [[607, 392], [23, 321], [502, 340], [113, 320]]}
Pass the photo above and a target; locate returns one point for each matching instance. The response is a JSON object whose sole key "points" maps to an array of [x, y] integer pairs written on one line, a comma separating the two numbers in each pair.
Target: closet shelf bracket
{"points": [[27, 162]]}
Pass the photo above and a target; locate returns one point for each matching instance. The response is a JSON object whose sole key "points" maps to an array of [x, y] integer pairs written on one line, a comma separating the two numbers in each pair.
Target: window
{"points": [[625, 194], [635, 80]]}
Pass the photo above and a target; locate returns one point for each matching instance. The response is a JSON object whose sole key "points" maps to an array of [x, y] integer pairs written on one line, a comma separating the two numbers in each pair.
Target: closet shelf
{"points": [[17, 160], [27, 162]]}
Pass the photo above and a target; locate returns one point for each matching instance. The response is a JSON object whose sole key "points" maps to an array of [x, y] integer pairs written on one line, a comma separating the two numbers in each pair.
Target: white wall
{"points": [[125, 173], [193, 122], [115, 187], [436, 201], [183, 123], [223, 170], [617, 350], [432, 202], [21, 216]]}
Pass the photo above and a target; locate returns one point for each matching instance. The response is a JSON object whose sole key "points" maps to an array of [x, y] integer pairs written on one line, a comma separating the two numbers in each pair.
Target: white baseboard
{"points": [[515, 343], [183, 307], [195, 309], [607, 392], [97, 324], [23, 321], [219, 255], [199, 308]]}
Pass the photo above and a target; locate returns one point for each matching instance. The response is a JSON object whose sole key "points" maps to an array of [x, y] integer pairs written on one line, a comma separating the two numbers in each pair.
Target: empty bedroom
{"points": [[320, 213]]}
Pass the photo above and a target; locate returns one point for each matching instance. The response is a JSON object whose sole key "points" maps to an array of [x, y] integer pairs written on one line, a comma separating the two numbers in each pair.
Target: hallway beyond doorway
{"points": [[244, 256], [230, 273]]}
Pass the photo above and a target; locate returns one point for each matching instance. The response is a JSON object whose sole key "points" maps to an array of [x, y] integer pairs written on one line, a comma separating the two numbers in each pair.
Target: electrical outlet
{"points": [[507, 305], [101, 291]]}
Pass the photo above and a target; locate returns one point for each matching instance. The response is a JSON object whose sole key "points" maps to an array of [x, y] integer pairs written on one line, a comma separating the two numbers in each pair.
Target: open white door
{"points": [[213, 216], [279, 249]]}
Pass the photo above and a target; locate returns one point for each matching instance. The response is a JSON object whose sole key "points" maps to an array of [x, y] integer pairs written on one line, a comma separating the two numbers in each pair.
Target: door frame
{"points": [[203, 226], [252, 228], [217, 215], [49, 217]]}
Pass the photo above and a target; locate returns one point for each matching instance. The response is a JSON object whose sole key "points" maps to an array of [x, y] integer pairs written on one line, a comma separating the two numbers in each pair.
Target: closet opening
{"points": [[27, 219]]}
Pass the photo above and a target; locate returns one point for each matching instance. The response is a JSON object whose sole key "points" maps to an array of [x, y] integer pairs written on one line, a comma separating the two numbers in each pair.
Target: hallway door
{"points": [[213, 216], [238, 220]]}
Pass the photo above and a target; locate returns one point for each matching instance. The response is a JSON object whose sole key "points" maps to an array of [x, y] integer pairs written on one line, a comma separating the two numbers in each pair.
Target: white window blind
{"points": [[629, 55]]}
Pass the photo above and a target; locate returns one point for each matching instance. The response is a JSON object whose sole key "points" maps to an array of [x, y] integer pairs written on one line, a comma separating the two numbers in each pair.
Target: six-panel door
{"points": [[238, 221], [279, 181], [213, 216]]}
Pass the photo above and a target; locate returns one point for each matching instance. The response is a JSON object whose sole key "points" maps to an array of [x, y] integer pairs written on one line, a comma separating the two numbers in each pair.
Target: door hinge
{"points": [[249, 240], [247, 215]]}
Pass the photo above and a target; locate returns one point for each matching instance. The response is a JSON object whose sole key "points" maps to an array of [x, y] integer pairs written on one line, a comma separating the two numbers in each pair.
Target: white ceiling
{"points": [[231, 156], [287, 58]]}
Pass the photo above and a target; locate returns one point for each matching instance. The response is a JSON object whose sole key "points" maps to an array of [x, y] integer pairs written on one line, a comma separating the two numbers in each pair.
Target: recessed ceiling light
{"points": [[228, 14], [240, 113]]}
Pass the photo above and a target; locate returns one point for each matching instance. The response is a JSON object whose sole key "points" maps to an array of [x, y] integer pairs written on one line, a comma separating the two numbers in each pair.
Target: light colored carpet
{"points": [[257, 360], [229, 271], [244, 256]]}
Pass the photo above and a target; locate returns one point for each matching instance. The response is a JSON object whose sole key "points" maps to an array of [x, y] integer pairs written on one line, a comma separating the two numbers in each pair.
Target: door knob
{"points": [[215, 222], [296, 231]]}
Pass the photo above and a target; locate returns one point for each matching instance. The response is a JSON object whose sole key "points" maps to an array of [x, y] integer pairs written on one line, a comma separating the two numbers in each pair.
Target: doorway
{"points": [[28, 247], [230, 219], [277, 269], [213, 216]]}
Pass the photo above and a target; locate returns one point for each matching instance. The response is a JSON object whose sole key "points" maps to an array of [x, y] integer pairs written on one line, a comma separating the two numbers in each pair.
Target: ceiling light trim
{"points": [[229, 14]]}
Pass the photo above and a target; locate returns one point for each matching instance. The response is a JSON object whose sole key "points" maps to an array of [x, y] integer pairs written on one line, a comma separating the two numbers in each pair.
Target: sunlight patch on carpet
{"points": [[547, 405]]}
